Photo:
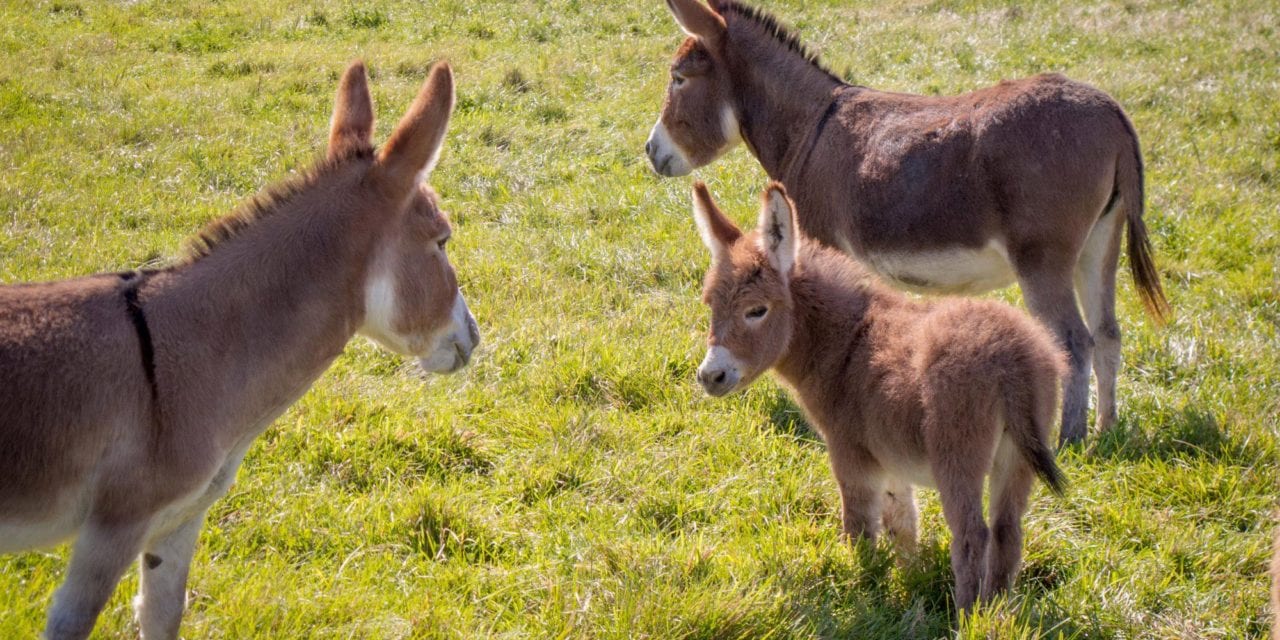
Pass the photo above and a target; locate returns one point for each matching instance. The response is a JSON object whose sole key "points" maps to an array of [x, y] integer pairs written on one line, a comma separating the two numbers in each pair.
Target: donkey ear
{"points": [[351, 127], [697, 19], [717, 230], [778, 228], [414, 147]]}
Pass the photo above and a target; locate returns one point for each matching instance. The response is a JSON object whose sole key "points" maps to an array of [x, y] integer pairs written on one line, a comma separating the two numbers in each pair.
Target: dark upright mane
{"points": [[774, 28], [265, 203]]}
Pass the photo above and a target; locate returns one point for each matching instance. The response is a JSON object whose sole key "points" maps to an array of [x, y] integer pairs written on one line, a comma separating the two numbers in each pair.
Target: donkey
{"points": [[1275, 587], [1031, 180], [940, 393], [130, 399]]}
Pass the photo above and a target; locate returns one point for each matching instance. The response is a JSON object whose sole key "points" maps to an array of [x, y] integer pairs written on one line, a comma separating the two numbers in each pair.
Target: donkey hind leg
{"points": [[960, 489], [1096, 285], [900, 516], [100, 556], [162, 595], [1010, 482], [1050, 297]]}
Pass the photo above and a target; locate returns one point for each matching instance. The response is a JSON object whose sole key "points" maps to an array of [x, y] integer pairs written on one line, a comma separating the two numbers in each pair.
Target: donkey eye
{"points": [[442, 243], [757, 312], [676, 79]]}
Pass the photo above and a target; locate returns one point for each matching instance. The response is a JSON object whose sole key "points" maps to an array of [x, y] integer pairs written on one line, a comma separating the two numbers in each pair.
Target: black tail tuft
{"points": [[1041, 459]]}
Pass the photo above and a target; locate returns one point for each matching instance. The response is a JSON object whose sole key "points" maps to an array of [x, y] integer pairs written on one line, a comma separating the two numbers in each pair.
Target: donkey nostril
{"points": [[719, 379], [648, 148], [474, 332]]}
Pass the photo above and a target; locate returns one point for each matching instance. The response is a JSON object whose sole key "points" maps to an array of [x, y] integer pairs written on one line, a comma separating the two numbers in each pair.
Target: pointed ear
{"points": [[414, 147], [717, 230], [351, 127], [777, 228], [697, 19]]}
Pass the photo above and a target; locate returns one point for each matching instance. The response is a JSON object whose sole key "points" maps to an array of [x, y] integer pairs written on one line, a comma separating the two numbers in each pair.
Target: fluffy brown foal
{"points": [[940, 393]]}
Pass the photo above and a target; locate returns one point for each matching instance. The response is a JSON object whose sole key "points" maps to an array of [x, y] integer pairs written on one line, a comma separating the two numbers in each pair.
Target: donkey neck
{"points": [[780, 99], [242, 332], [832, 312]]}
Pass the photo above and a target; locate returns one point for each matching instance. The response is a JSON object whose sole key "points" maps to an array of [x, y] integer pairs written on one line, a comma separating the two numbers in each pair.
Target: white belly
{"points": [[960, 271], [913, 472], [58, 525]]}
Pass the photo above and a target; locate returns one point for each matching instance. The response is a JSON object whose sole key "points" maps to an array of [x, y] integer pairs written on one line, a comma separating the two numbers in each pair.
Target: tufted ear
{"points": [[777, 228], [351, 126], [717, 230], [414, 147], [697, 19]]}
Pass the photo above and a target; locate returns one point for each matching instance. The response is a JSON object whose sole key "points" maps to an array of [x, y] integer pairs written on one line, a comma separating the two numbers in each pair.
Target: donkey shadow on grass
{"points": [[787, 419], [1189, 434], [892, 596]]}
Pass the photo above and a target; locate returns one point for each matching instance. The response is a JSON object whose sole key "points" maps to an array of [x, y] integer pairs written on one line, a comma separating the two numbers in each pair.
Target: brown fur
{"points": [[1034, 165], [947, 391], [268, 298], [1275, 588]]}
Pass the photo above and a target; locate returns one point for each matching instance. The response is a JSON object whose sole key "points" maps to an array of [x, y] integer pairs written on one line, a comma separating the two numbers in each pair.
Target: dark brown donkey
{"points": [[129, 399], [942, 392], [1032, 180]]}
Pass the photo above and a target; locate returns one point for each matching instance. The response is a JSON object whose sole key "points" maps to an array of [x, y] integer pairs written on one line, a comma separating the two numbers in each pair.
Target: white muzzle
{"points": [[454, 346], [664, 155]]}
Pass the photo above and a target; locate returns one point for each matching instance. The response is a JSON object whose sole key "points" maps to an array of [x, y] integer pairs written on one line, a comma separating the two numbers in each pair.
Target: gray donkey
{"points": [[129, 400]]}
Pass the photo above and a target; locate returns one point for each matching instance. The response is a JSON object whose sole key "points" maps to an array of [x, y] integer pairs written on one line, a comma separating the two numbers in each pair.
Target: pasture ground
{"points": [[575, 483]]}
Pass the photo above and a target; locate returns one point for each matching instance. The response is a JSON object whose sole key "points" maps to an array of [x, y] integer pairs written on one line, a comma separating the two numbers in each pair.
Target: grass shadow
{"points": [[1191, 434], [891, 595], [787, 419]]}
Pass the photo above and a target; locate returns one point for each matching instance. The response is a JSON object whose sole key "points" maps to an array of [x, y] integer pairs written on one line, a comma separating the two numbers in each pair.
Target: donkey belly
{"points": [[22, 533], [957, 270], [912, 471]]}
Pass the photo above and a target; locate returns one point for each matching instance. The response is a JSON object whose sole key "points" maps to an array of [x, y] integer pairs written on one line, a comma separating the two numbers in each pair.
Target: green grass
{"points": [[575, 482]]}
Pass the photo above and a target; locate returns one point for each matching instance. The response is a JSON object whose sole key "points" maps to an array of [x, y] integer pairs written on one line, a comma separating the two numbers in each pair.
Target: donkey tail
{"points": [[1029, 406], [1129, 186]]}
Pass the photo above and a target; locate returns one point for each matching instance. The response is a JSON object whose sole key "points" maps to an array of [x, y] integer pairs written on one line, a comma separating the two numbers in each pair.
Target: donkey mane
{"points": [[771, 26], [265, 203]]}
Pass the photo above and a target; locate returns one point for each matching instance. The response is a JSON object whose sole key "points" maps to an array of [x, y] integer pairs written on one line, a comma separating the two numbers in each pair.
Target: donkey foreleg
{"points": [[900, 516], [162, 595], [101, 554], [861, 490]]}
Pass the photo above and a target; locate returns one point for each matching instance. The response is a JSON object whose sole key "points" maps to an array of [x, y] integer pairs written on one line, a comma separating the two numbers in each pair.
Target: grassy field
{"points": [[575, 483]]}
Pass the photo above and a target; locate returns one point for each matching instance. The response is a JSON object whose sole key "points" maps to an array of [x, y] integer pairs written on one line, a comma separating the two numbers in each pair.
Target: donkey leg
{"points": [[861, 490], [1096, 285], [961, 497], [101, 554], [1051, 298], [959, 445], [901, 518], [1010, 482], [162, 596]]}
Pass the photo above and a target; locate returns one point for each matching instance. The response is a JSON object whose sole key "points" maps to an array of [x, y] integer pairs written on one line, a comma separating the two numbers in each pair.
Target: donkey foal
{"points": [[940, 393], [129, 400]]}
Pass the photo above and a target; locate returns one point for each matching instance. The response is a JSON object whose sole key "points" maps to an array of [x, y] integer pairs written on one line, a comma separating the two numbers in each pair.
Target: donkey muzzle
{"points": [[664, 155], [453, 349], [719, 373]]}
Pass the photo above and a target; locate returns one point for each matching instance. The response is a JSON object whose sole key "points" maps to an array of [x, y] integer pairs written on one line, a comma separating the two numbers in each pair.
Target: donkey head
{"points": [[747, 290], [698, 123], [412, 304]]}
